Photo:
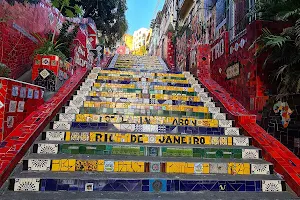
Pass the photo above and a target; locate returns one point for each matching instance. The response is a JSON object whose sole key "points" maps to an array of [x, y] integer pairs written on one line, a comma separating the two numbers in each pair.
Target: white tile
{"points": [[198, 168], [240, 141], [55, 135], [206, 99], [250, 153], [202, 94], [225, 123], [219, 116], [209, 104], [232, 131], [66, 117], [71, 110], [61, 125], [39, 164], [260, 169], [271, 186], [109, 166], [84, 88], [214, 109], [47, 149], [27, 184], [82, 92]]}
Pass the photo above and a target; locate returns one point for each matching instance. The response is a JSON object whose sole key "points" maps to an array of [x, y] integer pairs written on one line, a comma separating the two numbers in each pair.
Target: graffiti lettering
{"points": [[218, 50]]}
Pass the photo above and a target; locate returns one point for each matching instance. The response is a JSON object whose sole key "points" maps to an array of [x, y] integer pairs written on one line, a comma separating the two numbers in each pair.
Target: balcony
{"points": [[184, 7]]}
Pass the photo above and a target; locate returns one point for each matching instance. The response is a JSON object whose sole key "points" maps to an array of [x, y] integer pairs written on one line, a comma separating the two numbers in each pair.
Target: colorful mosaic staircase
{"points": [[134, 131]]}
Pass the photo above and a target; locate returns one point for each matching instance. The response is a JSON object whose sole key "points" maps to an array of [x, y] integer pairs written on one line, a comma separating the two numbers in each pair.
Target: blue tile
{"points": [[51, 185], [258, 186], [145, 182], [73, 189], [145, 188], [157, 182], [62, 187], [250, 183]]}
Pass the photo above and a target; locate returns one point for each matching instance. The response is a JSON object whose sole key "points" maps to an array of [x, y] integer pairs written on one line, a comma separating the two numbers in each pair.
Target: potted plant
{"points": [[49, 59], [4, 71]]}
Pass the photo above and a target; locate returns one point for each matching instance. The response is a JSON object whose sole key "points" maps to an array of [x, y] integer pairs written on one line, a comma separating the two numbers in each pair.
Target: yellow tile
{"points": [[205, 168], [68, 136], [100, 166], [56, 165], [68, 165], [229, 141]]}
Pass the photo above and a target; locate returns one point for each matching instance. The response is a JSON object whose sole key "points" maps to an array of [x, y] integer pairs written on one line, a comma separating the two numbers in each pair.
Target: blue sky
{"points": [[140, 13]]}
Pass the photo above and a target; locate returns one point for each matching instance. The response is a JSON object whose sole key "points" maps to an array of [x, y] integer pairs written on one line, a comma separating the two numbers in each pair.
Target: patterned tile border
{"points": [[13, 148], [145, 185]]}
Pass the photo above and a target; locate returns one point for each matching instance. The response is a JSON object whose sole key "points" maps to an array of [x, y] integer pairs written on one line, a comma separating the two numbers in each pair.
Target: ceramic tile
{"points": [[155, 167], [108, 166], [47, 149], [225, 123], [27, 184], [219, 116], [232, 131], [55, 135], [39, 164], [250, 154], [214, 110], [271, 186], [240, 141], [218, 168], [71, 110], [260, 169], [66, 117], [58, 125]]}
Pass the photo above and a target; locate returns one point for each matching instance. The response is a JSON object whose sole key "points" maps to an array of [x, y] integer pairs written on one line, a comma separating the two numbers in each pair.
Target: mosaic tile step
{"points": [[141, 91], [183, 121], [78, 100], [155, 77], [141, 112], [146, 150], [142, 128], [154, 138], [61, 163], [147, 96], [142, 182], [144, 74], [141, 79], [117, 83]]}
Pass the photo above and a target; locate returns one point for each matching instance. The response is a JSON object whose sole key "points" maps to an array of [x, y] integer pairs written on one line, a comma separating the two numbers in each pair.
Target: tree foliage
{"points": [[109, 17], [284, 48]]}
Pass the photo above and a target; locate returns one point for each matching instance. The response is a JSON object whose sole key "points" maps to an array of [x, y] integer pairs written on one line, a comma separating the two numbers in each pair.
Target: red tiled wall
{"points": [[15, 48], [10, 119]]}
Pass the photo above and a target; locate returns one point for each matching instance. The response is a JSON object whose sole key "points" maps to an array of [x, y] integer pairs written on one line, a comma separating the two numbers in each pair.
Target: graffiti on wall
{"points": [[285, 112]]}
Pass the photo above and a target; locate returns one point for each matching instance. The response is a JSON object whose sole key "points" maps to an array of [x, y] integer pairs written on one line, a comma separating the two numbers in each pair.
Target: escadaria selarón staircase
{"points": [[137, 131]]}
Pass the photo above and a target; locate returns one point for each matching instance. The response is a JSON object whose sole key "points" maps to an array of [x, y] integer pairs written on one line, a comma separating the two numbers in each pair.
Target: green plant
{"points": [[4, 70], [283, 49], [49, 48], [63, 44], [66, 38]]}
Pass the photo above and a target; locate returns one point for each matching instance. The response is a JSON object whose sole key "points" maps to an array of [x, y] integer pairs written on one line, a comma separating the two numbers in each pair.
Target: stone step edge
{"points": [[145, 158]]}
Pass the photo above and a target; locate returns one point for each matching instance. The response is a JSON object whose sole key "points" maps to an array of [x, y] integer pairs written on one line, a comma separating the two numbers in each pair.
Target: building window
{"points": [[220, 11], [240, 15]]}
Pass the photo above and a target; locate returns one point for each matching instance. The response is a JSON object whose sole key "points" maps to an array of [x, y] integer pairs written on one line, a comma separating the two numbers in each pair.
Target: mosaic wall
{"points": [[290, 135], [17, 101]]}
